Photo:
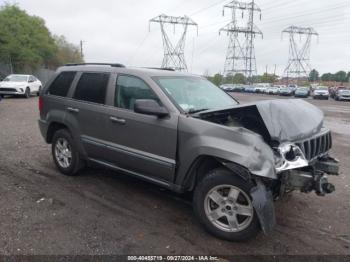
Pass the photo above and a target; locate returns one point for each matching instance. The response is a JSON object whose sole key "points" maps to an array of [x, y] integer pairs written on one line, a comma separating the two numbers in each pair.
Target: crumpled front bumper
{"points": [[311, 178]]}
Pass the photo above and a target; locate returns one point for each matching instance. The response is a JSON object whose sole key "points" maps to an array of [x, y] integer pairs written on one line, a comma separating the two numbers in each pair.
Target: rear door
{"points": [[140, 143], [86, 112]]}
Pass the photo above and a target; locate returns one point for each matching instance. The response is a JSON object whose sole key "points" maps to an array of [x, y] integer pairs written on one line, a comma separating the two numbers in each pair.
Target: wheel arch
{"points": [[205, 163], [53, 128]]}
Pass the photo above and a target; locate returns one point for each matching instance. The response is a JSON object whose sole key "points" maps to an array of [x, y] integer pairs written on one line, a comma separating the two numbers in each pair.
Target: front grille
{"points": [[8, 89], [316, 146]]}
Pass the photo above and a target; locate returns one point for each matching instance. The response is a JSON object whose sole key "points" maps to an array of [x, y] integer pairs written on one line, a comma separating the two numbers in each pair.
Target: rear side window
{"points": [[61, 84], [92, 87]]}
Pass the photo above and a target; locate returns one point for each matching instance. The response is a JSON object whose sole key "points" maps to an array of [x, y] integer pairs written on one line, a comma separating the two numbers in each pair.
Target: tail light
{"points": [[40, 104]]}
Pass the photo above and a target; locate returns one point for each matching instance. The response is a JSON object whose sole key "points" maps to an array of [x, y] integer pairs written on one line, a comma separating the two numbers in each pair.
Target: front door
{"points": [[140, 143]]}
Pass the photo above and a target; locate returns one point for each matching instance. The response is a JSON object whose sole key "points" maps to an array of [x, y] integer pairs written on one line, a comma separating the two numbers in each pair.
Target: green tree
{"points": [[66, 52], [236, 79], [268, 78], [314, 75], [327, 77], [217, 79], [26, 42], [340, 76]]}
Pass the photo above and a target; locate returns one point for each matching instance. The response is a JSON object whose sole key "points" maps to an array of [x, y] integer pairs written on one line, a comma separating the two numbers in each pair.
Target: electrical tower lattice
{"points": [[299, 55], [174, 56], [240, 57]]}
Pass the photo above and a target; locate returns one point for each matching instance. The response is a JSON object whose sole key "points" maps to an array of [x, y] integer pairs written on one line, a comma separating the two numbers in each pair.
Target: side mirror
{"points": [[31, 81], [150, 107]]}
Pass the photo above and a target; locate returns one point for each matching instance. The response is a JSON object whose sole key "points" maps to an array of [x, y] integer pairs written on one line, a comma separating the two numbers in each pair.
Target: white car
{"points": [[23, 85]]}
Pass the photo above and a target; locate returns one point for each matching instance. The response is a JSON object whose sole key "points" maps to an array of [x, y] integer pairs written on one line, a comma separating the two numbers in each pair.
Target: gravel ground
{"points": [[102, 212]]}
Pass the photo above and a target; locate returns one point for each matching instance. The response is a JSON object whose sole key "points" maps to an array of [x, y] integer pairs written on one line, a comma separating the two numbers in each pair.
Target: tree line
{"points": [[340, 76], [27, 44]]}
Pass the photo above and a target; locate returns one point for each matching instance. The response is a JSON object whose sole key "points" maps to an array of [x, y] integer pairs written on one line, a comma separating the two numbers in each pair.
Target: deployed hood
{"points": [[277, 120]]}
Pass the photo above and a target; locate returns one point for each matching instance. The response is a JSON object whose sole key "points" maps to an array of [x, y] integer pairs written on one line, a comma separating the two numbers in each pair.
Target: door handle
{"points": [[73, 110], [118, 120]]}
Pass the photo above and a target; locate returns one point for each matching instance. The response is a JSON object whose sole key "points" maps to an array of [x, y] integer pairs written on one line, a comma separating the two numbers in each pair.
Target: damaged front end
{"points": [[299, 142], [304, 165]]}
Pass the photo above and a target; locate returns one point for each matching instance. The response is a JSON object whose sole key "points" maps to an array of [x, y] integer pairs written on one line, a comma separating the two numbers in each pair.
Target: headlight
{"points": [[289, 156]]}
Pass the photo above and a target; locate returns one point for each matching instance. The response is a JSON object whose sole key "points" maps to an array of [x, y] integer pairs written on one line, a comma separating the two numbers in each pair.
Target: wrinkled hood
{"points": [[290, 120], [285, 120]]}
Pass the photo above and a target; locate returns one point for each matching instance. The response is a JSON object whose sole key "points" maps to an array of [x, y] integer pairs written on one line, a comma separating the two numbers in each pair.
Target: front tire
{"points": [[223, 205], [27, 93], [65, 153]]}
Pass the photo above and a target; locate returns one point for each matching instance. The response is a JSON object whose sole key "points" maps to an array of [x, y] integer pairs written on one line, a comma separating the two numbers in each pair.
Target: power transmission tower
{"points": [[299, 54], [174, 56], [240, 57]]}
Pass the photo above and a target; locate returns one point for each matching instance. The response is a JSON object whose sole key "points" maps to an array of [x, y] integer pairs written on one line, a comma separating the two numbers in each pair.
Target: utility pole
{"points": [[299, 55], [11, 66], [81, 48], [174, 56], [240, 57]]}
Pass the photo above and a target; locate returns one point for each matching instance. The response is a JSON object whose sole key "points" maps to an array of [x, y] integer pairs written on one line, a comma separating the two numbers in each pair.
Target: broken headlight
{"points": [[289, 156]]}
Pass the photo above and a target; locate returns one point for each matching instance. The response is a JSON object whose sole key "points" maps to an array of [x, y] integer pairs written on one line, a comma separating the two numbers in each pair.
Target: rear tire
{"points": [[231, 216], [65, 153]]}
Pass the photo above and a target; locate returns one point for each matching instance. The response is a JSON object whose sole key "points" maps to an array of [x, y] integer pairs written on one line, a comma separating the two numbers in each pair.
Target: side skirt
{"points": [[170, 186]]}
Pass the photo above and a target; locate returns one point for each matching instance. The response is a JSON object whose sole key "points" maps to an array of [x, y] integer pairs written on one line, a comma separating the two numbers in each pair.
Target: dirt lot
{"points": [[101, 212]]}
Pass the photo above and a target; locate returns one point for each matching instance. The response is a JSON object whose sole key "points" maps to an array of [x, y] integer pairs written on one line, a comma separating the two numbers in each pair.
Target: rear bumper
{"points": [[43, 126]]}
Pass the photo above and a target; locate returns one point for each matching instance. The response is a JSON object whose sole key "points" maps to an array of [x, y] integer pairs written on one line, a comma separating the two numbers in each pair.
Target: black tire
{"points": [[27, 93], [76, 163], [2, 96], [213, 179]]}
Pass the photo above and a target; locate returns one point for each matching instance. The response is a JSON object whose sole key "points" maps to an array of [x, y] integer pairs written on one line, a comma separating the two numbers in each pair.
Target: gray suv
{"points": [[183, 133]]}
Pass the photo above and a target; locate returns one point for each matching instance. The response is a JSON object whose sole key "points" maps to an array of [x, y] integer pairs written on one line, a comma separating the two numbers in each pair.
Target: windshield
{"points": [[194, 94], [322, 88], [16, 78], [302, 89]]}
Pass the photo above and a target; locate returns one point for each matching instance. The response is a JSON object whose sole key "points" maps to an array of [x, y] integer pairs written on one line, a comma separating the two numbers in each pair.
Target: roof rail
{"points": [[102, 64], [164, 68]]}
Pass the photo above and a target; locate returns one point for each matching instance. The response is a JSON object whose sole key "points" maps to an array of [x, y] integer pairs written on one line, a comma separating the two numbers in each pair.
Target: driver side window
{"points": [[129, 89]]}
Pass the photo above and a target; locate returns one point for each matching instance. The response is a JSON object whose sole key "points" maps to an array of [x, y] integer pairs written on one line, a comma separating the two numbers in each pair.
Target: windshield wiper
{"points": [[197, 110]]}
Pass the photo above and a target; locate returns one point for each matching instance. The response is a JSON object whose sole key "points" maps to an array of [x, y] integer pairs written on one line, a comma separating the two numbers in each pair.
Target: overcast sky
{"points": [[117, 31]]}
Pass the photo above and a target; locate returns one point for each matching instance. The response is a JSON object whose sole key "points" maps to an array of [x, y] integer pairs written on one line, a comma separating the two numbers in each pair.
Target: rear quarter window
{"points": [[60, 86], [92, 87]]}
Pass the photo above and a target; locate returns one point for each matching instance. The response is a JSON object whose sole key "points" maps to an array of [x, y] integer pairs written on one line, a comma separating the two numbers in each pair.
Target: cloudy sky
{"points": [[118, 31]]}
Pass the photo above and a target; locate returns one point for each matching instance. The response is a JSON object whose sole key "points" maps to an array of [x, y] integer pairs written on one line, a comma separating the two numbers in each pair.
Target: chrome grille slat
{"points": [[316, 146]]}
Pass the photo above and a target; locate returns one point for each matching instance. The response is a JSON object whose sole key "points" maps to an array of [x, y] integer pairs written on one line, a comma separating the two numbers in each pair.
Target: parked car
{"points": [[286, 91], [227, 87], [183, 133], [342, 95], [273, 90], [261, 88], [321, 92], [293, 88], [302, 92], [23, 85], [249, 89], [333, 90]]}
